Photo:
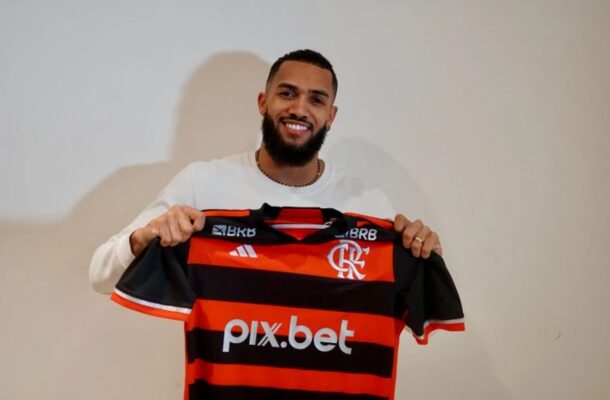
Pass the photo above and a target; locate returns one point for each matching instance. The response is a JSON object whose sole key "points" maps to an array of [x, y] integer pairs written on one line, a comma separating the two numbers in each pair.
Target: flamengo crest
{"points": [[346, 257]]}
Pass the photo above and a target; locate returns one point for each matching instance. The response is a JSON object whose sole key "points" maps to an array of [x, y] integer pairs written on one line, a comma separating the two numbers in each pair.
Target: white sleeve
{"points": [[112, 257]]}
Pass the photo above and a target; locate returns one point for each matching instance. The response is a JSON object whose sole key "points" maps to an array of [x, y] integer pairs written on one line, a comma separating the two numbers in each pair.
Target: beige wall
{"points": [[489, 120]]}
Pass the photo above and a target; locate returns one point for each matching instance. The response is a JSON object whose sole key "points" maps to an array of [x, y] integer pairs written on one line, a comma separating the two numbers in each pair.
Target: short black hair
{"points": [[307, 56]]}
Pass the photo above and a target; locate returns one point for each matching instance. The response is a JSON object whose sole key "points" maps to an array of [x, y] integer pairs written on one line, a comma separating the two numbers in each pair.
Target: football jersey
{"points": [[292, 303]]}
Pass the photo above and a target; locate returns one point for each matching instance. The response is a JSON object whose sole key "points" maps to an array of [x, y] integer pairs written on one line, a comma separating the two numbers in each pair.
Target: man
{"points": [[298, 110]]}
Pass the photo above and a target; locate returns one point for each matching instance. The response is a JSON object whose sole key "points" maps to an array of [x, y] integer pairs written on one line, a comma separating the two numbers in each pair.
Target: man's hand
{"points": [[417, 237], [175, 226]]}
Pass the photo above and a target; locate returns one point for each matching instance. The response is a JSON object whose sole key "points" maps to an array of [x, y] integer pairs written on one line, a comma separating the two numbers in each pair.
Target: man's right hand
{"points": [[175, 226]]}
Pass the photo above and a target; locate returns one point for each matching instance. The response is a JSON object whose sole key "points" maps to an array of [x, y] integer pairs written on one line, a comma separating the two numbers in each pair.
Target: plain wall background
{"points": [[490, 120]]}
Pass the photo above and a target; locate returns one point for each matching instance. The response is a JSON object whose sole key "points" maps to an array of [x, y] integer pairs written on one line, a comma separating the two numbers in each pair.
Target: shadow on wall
{"points": [[365, 159], [62, 340]]}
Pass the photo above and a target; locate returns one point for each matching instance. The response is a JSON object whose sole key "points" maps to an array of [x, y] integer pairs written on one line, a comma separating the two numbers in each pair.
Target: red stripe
{"points": [[300, 259], [297, 215], [227, 213], [148, 310], [287, 378]]}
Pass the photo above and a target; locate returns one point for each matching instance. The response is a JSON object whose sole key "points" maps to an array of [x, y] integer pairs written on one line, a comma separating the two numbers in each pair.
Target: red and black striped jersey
{"points": [[292, 303]]}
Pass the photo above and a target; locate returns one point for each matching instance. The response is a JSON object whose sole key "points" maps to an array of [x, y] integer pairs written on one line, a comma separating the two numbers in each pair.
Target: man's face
{"points": [[297, 107]]}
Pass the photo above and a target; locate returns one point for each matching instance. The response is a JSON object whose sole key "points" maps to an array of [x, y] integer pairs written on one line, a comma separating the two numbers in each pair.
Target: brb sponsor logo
{"points": [[369, 234], [232, 231], [300, 337]]}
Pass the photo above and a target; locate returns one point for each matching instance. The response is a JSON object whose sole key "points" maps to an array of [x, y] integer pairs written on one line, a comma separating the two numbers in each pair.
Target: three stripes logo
{"points": [[244, 251]]}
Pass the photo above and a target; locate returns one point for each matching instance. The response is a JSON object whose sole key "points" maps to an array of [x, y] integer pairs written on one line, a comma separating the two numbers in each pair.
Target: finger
{"points": [[437, 248], [418, 241], [416, 246], [174, 228], [400, 222], [165, 237], [430, 243], [196, 216], [185, 225], [410, 231], [199, 222]]}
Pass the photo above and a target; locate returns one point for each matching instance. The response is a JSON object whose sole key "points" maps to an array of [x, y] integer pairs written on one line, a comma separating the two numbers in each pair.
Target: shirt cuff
{"points": [[124, 252]]}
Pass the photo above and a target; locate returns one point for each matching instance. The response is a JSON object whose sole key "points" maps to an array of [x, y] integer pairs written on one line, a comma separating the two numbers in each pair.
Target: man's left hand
{"points": [[417, 237]]}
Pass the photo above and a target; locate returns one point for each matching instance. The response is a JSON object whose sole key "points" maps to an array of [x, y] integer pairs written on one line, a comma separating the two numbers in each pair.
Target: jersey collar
{"points": [[337, 223]]}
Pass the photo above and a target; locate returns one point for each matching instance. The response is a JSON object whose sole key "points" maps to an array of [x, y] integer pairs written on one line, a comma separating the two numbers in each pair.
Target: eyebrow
{"points": [[319, 92]]}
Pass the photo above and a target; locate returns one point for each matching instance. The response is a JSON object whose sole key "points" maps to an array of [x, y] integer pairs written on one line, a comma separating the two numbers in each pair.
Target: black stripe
{"points": [[266, 234], [203, 390], [292, 290], [366, 358]]}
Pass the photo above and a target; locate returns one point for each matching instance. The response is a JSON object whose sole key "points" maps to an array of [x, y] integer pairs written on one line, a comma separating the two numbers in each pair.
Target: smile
{"points": [[297, 127]]}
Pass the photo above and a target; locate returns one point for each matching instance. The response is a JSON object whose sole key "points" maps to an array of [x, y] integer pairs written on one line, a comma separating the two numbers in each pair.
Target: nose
{"points": [[298, 107]]}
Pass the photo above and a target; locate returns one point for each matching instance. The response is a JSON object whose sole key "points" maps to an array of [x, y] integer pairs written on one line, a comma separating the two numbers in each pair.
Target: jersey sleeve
{"points": [[428, 297], [111, 258], [156, 283]]}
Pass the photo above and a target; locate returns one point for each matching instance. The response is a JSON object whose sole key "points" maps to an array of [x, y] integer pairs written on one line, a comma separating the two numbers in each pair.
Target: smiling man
{"points": [[298, 110], [309, 313]]}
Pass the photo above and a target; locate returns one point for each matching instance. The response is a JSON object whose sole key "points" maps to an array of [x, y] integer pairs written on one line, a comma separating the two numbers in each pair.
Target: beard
{"points": [[285, 153]]}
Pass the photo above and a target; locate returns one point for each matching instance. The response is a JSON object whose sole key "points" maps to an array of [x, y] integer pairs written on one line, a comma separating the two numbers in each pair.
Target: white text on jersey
{"points": [[232, 231], [323, 340], [369, 234]]}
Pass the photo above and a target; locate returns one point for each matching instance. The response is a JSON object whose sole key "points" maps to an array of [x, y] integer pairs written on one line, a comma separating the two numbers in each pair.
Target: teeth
{"points": [[296, 127]]}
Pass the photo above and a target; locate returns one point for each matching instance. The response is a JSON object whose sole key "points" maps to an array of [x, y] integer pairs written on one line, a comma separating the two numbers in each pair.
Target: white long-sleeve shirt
{"points": [[234, 182]]}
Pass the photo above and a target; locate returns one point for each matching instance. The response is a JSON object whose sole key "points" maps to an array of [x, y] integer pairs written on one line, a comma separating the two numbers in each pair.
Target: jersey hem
{"points": [[147, 307], [434, 325]]}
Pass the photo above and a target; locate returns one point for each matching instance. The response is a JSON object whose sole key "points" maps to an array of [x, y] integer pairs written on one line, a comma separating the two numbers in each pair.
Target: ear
{"points": [[262, 103], [331, 117]]}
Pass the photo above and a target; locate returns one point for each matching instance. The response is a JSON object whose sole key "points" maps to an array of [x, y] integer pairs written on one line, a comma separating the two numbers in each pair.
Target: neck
{"points": [[289, 175]]}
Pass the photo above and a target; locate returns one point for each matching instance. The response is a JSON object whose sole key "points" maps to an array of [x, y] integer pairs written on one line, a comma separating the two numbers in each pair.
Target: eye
{"points": [[318, 100], [287, 93]]}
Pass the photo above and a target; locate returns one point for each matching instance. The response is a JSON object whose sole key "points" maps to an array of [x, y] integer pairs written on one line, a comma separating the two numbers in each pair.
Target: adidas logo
{"points": [[244, 251]]}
